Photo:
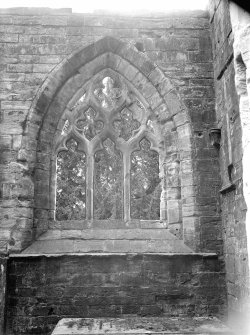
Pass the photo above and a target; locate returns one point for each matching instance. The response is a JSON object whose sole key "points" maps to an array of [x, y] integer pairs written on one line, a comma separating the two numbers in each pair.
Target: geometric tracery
{"points": [[88, 125], [126, 124], [126, 116]]}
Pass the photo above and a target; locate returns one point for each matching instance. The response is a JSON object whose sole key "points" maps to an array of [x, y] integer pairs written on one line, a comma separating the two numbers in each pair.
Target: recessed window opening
{"points": [[108, 171]]}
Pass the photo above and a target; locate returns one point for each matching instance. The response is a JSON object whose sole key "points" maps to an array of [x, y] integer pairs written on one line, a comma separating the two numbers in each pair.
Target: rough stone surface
{"points": [[149, 325], [157, 241], [228, 114], [171, 46], [42, 290], [187, 80]]}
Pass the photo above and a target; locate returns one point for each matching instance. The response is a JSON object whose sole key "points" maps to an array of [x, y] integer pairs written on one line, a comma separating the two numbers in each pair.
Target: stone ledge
{"points": [[141, 325], [66, 246], [107, 224], [108, 234], [101, 254]]}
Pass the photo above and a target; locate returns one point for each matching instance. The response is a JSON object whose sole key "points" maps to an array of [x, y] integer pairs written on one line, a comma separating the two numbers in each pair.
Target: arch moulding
{"points": [[62, 89]]}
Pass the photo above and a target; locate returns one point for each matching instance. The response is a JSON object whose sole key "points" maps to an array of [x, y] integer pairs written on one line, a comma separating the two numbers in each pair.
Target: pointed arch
{"points": [[61, 90]]}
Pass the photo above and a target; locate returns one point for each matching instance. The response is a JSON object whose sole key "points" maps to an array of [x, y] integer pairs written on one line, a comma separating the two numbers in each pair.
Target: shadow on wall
{"points": [[243, 4]]}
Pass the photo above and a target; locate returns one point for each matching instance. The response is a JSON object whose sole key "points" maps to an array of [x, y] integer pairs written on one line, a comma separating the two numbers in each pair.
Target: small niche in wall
{"points": [[198, 133], [230, 169], [215, 137], [139, 46], [230, 186]]}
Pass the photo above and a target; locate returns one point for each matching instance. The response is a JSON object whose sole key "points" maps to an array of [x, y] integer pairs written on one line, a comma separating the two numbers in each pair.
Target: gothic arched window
{"points": [[107, 156]]}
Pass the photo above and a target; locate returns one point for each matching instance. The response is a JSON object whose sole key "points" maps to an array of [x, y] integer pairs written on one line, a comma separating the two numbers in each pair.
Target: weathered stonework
{"points": [[182, 70], [170, 47], [45, 289], [228, 93]]}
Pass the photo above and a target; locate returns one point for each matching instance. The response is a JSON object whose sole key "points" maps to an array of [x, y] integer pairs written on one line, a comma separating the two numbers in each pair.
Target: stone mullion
{"points": [[90, 186], [126, 183], [53, 187]]}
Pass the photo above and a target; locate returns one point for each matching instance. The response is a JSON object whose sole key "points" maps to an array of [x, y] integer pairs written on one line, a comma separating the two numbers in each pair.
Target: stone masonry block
{"points": [[187, 179], [181, 118], [113, 60], [9, 38], [173, 102], [114, 45], [162, 113], [16, 141], [5, 142], [174, 211], [83, 56], [42, 201], [43, 68], [164, 87], [189, 210], [173, 193], [131, 55], [186, 166], [184, 137], [157, 77], [188, 191], [20, 68], [143, 85], [155, 100]]}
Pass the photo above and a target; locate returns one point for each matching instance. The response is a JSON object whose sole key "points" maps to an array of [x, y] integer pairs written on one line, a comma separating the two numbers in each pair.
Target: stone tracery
{"points": [[88, 125], [71, 88], [126, 124], [107, 94], [108, 116]]}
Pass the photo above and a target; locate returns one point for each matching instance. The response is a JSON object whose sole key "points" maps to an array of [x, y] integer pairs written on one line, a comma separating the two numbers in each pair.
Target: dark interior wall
{"points": [[228, 119], [42, 290]]}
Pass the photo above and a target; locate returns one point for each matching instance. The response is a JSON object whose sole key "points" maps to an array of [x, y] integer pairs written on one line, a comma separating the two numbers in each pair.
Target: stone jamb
{"points": [[240, 21]]}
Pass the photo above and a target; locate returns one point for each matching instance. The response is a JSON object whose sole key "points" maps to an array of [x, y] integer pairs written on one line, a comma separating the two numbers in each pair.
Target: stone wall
{"points": [[42, 290], [229, 121], [168, 57], [33, 43]]}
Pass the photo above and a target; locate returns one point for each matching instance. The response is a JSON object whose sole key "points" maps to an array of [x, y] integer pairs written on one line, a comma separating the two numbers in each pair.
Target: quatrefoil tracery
{"points": [[88, 124], [126, 124], [106, 107]]}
